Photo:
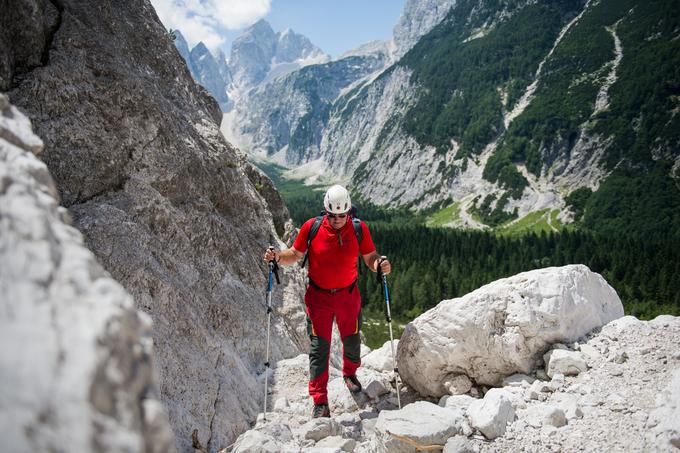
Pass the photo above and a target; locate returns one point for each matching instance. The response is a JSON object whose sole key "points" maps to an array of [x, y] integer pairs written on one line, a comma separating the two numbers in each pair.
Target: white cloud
{"points": [[203, 20], [235, 14]]}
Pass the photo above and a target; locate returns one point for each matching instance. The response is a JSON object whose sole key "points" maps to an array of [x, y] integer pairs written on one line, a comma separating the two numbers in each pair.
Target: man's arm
{"points": [[284, 257], [372, 259]]}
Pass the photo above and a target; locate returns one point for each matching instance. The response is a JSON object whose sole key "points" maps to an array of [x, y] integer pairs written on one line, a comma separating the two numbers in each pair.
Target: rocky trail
{"points": [[614, 388]]}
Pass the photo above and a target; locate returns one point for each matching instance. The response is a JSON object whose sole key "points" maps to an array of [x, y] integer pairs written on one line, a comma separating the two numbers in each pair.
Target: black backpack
{"points": [[356, 223]]}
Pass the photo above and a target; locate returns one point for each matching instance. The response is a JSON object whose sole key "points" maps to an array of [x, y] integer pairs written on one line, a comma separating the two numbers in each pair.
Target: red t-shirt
{"points": [[332, 265]]}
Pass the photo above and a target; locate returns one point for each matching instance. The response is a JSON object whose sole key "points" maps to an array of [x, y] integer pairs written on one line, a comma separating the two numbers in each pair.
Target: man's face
{"points": [[337, 221]]}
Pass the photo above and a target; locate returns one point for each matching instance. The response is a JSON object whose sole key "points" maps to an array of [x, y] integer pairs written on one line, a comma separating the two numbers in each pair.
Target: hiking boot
{"points": [[321, 410], [352, 383]]}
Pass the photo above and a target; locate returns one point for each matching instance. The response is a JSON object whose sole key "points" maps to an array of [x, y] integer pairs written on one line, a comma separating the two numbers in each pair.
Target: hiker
{"points": [[332, 291]]}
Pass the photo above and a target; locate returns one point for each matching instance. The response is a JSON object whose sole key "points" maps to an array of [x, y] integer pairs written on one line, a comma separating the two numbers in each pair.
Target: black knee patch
{"points": [[352, 346], [318, 356], [310, 328]]}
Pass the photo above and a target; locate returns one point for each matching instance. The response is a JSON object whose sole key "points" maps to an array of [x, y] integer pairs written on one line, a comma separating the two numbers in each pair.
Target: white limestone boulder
{"points": [[417, 424], [568, 363], [492, 414], [504, 327], [457, 401], [380, 359], [76, 365], [341, 400], [255, 442], [665, 418], [458, 444], [338, 443], [320, 428], [373, 382]]}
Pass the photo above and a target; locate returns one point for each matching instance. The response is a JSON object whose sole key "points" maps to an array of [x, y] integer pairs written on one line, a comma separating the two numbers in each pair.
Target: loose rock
{"points": [[492, 414]]}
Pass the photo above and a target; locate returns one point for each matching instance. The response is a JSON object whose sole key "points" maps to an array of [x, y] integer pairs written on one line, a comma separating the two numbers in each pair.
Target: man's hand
{"points": [[385, 266], [283, 257], [272, 255]]}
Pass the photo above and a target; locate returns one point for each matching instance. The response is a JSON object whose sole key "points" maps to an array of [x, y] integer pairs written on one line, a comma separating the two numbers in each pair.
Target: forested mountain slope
{"points": [[511, 107]]}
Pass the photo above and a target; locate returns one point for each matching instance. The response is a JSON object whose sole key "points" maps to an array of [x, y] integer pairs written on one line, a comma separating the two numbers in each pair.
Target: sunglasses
{"points": [[334, 216]]}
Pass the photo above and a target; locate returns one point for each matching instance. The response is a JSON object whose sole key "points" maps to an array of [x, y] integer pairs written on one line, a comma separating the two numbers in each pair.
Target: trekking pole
{"points": [[273, 269], [382, 278]]}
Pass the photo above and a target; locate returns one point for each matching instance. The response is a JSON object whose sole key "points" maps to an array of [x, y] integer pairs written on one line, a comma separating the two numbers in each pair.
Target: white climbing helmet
{"points": [[336, 200]]}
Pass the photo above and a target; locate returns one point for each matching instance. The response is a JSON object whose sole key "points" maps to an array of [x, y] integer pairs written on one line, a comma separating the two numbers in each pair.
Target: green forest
{"points": [[468, 84], [639, 258]]}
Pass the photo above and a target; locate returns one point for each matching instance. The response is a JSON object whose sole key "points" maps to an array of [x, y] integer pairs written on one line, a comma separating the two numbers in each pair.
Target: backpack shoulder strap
{"points": [[312, 232], [358, 231]]}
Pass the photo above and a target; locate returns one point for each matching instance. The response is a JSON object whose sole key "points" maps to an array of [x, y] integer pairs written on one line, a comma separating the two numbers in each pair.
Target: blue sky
{"points": [[334, 26]]}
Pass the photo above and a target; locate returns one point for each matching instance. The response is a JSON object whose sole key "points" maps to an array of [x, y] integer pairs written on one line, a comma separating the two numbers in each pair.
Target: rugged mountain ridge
{"points": [[165, 204], [297, 107], [211, 72], [292, 129], [530, 127], [258, 55], [506, 108]]}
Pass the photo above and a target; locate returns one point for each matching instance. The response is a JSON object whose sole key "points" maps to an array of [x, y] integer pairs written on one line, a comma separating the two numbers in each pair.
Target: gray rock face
{"points": [[291, 46], [418, 18], [77, 370], [258, 55], [274, 201], [23, 48], [165, 205]]}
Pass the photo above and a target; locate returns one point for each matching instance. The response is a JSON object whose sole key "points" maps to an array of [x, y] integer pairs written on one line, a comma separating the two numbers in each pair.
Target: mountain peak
{"points": [[259, 27], [200, 48]]}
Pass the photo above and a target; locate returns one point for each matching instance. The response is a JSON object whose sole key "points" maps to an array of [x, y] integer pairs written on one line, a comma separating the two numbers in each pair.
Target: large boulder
{"points": [[162, 200], [503, 327], [568, 363], [417, 425], [76, 368]]}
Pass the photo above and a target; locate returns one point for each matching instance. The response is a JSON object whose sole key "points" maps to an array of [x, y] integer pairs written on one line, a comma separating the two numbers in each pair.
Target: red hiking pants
{"points": [[322, 306]]}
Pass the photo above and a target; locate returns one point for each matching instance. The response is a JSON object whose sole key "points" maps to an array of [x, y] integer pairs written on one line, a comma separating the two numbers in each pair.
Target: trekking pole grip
{"points": [[378, 270], [274, 266]]}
